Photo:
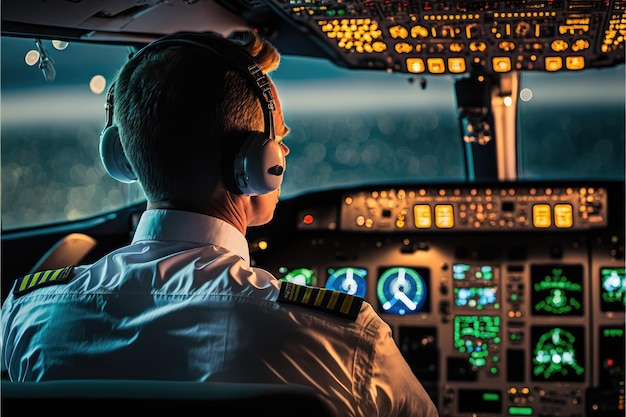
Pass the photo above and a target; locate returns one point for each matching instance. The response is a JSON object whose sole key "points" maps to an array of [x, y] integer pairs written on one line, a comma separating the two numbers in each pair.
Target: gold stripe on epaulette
{"points": [[347, 303], [334, 295], [307, 294], [31, 282], [297, 293], [335, 302], [320, 297]]}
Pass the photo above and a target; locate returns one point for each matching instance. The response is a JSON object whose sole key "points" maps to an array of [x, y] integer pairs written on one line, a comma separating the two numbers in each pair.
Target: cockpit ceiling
{"points": [[410, 36], [110, 20], [465, 36]]}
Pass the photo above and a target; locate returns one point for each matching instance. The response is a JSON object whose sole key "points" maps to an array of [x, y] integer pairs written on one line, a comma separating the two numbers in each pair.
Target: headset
{"points": [[257, 164]]}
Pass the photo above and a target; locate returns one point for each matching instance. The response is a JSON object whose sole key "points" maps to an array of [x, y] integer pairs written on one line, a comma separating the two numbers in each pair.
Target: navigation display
{"points": [[348, 279], [557, 290], [558, 353], [403, 290]]}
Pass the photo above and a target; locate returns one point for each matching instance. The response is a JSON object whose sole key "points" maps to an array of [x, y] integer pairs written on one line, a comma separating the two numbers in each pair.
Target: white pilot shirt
{"points": [[182, 302]]}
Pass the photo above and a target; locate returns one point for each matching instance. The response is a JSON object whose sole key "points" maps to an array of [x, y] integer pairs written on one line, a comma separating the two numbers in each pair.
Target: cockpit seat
{"points": [[159, 398]]}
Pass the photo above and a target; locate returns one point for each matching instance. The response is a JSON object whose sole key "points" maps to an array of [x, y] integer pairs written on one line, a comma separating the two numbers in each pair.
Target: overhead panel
{"points": [[452, 37]]}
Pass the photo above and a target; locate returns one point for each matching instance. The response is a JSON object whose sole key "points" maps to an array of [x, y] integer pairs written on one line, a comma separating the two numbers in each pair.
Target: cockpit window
{"points": [[572, 125], [347, 128], [360, 127], [52, 114]]}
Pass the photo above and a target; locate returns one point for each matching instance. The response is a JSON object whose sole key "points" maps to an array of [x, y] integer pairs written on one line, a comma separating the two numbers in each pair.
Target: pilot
{"points": [[196, 120]]}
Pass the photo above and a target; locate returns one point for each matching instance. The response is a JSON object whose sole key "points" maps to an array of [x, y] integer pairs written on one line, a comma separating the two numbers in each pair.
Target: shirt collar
{"points": [[186, 226]]}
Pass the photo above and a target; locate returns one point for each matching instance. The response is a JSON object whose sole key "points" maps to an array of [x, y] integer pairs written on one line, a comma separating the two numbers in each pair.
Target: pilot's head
{"points": [[186, 114]]}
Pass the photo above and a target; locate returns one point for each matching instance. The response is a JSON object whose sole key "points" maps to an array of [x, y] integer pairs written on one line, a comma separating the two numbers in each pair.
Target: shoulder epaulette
{"points": [[40, 279], [332, 301]]}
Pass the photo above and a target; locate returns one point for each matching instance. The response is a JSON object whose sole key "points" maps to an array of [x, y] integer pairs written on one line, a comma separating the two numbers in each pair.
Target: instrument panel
{"points": [[495, 320], [465, 209], [453, 37]]}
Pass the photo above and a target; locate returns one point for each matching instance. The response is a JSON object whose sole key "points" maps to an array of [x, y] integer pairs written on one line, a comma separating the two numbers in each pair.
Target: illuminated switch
{"points": [[580, 45], [554, 63], [436, 65], [415, 65], [403, 47], [456, 65], [541, 215], [575, 62], [379, 47], [478, 46], [422, 216], [398, 32], [444, 216], [559, 45], [419, 31], [501, 64], [563, 216]]}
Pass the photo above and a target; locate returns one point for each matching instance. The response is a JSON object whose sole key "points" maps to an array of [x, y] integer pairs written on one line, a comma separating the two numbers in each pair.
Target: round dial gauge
{"points": [[349, 280], [301, 276], [401, 291]]}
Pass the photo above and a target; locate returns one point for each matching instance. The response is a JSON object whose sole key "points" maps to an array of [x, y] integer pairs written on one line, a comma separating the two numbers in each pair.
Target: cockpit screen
{"points": [[349, 279], [475, 287], [613, 287], [479, 338], [403, 290], [300, 276], [557, 290], [558, 353], [476, 298]]}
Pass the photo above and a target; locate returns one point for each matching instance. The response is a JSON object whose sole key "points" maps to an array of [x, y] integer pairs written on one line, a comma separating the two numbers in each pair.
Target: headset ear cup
{"points": [[113, 157], [259, 165]]}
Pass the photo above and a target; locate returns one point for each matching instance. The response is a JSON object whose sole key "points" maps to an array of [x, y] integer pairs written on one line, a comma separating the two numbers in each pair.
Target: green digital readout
{"points": [[520, 411], [557, 290], [477, 336], [300, 276], [558, 353]]}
